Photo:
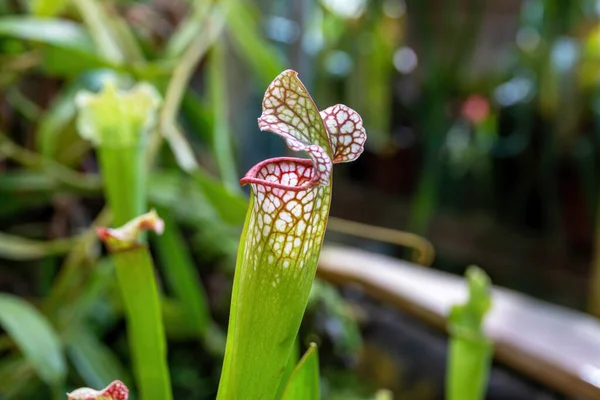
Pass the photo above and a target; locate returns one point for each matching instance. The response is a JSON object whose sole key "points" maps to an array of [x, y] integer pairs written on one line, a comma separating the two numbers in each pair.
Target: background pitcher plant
{"points": [[282, 235]]}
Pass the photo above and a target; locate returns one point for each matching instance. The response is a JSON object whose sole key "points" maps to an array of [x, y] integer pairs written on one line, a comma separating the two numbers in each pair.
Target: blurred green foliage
{"points": [[494, 137], [51, 51]]}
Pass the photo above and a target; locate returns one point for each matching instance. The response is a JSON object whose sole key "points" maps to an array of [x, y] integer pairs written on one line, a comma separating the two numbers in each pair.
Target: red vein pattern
{"points": [[289, 111], [346, 132], [293, 194], [289, 215], [115, 391]]}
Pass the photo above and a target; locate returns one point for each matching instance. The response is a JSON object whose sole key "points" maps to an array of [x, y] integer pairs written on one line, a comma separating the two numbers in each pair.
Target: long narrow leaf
{"points": [[57, 32], [289, 368], [20, 248], [230, 205], [304, 381], [222, 143], [47, 8], [258, 53], [93, 360], [181, 275], [35, 337], [54, 121]]}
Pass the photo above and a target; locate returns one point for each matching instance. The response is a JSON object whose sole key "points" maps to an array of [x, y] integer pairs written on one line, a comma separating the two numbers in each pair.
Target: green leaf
{"points": [[67, 63], [61, 112], [58, 32], [182, 196], [289, 368], [92, 359], [198, 115], [19, 248], [258, 53], [180, 272], [47, 8], [230, 205], [17, 378], [304, 381], [35, 337], [222, 141], [135, 272]]}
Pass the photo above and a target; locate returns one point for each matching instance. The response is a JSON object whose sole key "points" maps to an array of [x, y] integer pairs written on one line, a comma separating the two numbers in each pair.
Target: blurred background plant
{"points": [[483, 121]]}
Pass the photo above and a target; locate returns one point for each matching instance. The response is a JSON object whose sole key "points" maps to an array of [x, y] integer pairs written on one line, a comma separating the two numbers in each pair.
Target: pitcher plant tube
{"points": [[282, 235], [118, 122]]}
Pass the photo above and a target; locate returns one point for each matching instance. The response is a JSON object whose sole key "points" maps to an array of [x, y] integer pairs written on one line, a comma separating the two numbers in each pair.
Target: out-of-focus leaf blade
{"points": [[47, 8], [93, 360], [59, 115], [68, 63], [260, 55], [57, 32], [15, 376], [34, 336], [20, 248], [198, 116], [231, 206], [176, 320], [181, 275], [304, 381], [222, 143], [188, 203]]}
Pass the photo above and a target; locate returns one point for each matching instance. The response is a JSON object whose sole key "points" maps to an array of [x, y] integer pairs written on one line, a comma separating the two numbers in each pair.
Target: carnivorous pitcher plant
{"points": [[282, 235]]}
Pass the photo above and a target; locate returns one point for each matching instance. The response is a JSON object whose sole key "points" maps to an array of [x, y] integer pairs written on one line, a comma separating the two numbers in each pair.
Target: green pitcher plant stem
{"points": [[282, 236], [117, 122], [470, 351], [135, 273]]}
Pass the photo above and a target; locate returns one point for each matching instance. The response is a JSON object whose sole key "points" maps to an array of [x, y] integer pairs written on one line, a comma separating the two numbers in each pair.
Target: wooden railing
{"points": [[555, 346]]}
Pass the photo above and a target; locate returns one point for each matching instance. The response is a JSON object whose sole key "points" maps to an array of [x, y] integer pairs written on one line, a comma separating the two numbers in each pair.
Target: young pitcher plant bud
{"points": [[115, 391]]}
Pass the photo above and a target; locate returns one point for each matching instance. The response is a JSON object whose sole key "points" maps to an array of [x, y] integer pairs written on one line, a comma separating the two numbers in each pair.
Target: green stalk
{"points": [[135, 273], [94, 17], [222, 148], [125, 180], [282, 236], [117, 123], [470, 352], [182, 277], [303, 383]]}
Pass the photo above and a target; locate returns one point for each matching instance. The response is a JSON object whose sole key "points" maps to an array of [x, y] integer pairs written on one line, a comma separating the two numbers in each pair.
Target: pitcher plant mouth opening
{"points": [[285, 173]]}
